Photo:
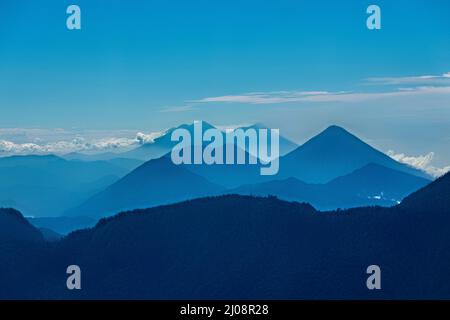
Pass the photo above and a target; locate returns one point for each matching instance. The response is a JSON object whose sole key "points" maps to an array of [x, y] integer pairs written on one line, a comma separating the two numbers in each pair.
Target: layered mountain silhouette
{"points": [[48, 185], [333, 170], [63, 224], [285, 144], [14, 228], [243, 247], [22, 254], [154, 183], [333, 153], [370, 185], [163, 144]]}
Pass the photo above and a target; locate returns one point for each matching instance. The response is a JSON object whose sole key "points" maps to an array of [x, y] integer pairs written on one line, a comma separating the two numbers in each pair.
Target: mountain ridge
{"points": [[243, 247], [370, 185], [335, 152]]}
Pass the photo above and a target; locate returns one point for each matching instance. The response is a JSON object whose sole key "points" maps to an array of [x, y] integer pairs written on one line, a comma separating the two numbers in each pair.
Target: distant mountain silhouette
{"points": [[228, 175], [90, 156], [371, 185], [50, 235], [22, 256], [285, 144], [156, 182], [15, 228], [223, 175], [112, 158], [333, 153], [329, 155], [336, 151], [63, 224], [125, 163], [161, 145], [48, 185], [242, 247]]}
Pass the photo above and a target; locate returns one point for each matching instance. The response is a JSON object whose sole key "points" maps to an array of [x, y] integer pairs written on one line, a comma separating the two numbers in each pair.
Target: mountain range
{"points": [[370, 185], [240, 247], [154, 183], [333, 153], [48, 185], [163, 144], [333, 170]]}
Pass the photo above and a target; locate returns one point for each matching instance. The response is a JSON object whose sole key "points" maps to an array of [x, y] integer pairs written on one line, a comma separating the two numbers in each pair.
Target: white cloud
{"points": [[422, 162], [323, 96], [443, 79], [77, 144], [144, 138], [267, 97]]}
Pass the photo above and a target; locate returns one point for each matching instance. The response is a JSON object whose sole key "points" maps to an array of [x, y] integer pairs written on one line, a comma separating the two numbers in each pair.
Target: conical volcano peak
{"points": [[334, 135], [335, 129]]}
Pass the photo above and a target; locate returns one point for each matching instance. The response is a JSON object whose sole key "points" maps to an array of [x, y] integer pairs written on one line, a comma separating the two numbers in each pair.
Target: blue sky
{"points": [[297, 65]]}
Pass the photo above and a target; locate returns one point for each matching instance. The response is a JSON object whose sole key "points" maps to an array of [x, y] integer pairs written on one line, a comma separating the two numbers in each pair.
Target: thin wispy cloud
{"points": [[443, 79], [323, 96], [368, 96], [274, 97]]}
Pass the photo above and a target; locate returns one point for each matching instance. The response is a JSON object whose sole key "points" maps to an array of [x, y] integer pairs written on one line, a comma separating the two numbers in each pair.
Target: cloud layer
{"points": [[404, 87], [78, 144], [323, 96], [443, 79], [422, 162]]}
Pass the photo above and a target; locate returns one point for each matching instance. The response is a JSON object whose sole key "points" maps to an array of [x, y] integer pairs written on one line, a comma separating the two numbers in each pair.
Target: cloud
{"points": [[323, 96], [77, 144], [143, 138], [9, 147], [443, 79], [266, 97], [422, 162]]}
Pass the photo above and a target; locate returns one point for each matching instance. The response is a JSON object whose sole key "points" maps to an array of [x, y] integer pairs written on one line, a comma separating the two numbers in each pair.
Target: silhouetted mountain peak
{"points": [[336, 152], [156, 182], [335, 132], [15, 228], [13, 214], [165, 139], [335, 128], [190, 127], [336, 140], [431, 198]]}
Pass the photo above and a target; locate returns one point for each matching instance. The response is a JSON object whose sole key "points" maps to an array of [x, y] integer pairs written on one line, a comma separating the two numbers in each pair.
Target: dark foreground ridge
{"points": [[242, 247]]}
